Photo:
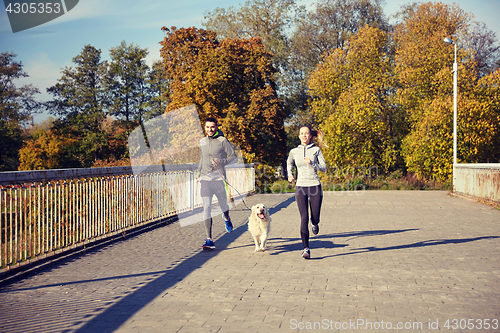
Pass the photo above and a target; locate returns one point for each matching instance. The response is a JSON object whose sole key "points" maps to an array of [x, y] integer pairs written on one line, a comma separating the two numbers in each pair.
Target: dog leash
{"points": [[225, 181], [224, 178]]}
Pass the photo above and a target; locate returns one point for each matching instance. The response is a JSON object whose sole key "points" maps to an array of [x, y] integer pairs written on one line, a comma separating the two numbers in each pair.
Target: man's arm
{"points": [[231, 155], [200, 164]]}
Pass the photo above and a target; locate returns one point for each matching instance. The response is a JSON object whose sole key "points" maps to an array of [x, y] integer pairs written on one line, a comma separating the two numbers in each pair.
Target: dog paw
{"points": [[262, 249], [257, 249]]}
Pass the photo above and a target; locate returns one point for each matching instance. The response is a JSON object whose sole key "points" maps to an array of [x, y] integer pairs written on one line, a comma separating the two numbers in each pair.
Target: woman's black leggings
{"points": [[308, 196]]}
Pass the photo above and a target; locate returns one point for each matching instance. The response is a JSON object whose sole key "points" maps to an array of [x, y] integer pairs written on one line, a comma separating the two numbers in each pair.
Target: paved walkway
{"points": [[419, 261]]}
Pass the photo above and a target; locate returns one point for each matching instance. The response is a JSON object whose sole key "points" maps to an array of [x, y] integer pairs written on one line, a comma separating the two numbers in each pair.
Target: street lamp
{"points": [[455, 74]]}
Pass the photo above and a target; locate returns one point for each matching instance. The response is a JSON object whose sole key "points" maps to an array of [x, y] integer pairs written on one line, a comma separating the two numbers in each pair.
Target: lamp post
{"points": [[455, 74]]}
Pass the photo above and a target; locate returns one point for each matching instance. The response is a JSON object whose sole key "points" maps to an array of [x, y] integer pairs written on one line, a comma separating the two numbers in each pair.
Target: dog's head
{"points": [[260, 210]]}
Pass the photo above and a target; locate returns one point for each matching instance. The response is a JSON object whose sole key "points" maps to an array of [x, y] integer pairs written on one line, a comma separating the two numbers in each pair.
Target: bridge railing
{"points": [[480, 181], [51, 211]]}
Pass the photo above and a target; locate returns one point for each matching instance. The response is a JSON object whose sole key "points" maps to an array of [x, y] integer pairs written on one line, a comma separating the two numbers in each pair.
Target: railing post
{"points": [[191, 190]]}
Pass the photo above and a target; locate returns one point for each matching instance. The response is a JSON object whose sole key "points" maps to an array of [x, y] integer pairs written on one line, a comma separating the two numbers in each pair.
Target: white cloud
{"points": [[43, 73], [88, 9]]}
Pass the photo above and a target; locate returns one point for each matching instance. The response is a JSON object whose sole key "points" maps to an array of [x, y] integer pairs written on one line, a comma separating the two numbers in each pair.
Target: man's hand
{"points": [[291, 179], [215, 162]]}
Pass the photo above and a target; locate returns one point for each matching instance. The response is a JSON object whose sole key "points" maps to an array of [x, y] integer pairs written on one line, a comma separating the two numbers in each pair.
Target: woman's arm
{"points": [[321, 164], [289, 167]]}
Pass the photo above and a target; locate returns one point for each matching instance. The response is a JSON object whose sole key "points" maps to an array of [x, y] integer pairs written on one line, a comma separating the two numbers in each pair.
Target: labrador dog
{"points": [[259, 225]]}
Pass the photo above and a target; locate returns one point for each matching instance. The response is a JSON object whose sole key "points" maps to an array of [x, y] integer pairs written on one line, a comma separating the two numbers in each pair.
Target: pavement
{"points": [[383, 261]]}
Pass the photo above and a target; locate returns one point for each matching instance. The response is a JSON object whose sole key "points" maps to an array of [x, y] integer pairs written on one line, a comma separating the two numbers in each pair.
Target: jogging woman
{"points": [[308, 192]]}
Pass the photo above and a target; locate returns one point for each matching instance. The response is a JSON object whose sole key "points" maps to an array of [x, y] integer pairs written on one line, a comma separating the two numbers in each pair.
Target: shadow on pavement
{"points": [[282, 245], [413, 245], [64, 284], [420, 244], [121, 311], [323, 241]]}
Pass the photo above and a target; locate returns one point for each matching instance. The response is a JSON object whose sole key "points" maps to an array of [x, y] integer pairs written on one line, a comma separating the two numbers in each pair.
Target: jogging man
{"points": [[216, 153]]}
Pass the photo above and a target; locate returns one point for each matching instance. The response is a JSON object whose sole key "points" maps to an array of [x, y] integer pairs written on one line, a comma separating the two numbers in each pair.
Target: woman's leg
{"points": [[301, 196], [315, 200]]}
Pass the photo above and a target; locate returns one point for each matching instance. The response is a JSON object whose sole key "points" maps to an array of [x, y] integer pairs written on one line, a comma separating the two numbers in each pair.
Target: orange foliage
{"points": [[46, 152], [232, 80]]}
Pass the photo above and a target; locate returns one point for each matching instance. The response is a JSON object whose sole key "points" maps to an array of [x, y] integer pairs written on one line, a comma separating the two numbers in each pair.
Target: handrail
{"points": [[51, 211], [477, 166], [21, 177]]}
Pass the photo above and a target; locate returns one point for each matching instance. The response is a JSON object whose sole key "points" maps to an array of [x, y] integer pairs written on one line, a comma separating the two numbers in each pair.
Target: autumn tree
{"points": [[268, 19], [16, 106], [318, 32], [115, 152], [274, 22], [425, 90], [329, 26], [351, 92], [483, 144], [48, 151], [44, 149], [231, 80]]}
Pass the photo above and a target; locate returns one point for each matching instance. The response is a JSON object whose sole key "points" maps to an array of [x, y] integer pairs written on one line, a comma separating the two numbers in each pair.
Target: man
{"points": [[216, 153]]}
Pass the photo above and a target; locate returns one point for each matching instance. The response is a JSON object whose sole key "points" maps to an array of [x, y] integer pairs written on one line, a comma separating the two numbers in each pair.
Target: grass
{"points": [[396, 181]]}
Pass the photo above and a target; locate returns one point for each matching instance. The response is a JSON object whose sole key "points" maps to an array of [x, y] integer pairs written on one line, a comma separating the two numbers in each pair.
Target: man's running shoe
{"points": [[229, 225], [306, 254], [209, 245]]}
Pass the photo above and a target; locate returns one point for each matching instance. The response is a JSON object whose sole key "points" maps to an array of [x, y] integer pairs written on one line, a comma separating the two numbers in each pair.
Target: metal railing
{"points": [[51, 211]]}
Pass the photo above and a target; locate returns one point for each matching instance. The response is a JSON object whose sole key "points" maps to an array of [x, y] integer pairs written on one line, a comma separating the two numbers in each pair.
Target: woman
{"points": [[308, 192]]}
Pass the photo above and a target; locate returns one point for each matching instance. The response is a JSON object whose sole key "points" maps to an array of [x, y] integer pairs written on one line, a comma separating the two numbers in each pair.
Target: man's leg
{"points": [[220, 193], [207, 212]]}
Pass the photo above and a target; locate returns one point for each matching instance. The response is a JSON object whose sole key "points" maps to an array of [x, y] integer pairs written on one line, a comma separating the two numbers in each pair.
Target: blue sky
{"points": [[46, 49]]}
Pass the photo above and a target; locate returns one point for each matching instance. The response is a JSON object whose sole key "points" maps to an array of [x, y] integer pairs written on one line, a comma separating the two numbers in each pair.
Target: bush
{"points": [[265, 177], [394, 181]]}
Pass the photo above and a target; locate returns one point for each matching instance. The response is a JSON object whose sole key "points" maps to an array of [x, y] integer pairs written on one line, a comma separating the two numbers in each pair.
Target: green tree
{"points": [[158, 91], [126, 82], [80, 97], [232, 81], [79, 102], [16, 106]]}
